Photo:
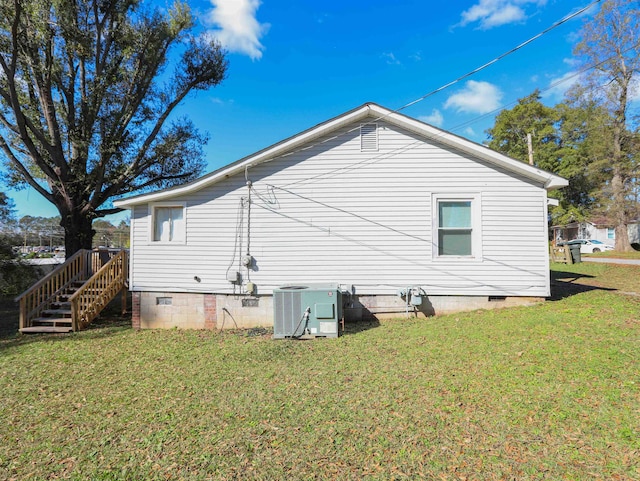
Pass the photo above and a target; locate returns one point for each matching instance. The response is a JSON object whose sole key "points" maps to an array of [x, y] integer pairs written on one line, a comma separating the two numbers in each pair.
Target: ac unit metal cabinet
{"points": [[290, 316]]}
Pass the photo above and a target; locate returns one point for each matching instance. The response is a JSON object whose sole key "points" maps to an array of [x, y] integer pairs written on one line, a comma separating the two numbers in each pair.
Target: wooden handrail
{"points": [[51, 274], [97, 292], [41, 295], [80, 267]]}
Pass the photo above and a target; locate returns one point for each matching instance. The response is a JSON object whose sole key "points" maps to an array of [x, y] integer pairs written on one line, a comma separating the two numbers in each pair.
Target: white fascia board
{"points": [[549, 180], [281, 148]]}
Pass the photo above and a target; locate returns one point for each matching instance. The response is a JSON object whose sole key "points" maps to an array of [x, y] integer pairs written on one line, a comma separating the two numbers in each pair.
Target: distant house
{"points": [[599, 228], [371, 200]]}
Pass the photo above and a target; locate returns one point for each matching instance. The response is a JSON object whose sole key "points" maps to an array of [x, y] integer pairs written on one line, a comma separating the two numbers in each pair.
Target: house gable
{"points": [[325, 132]]}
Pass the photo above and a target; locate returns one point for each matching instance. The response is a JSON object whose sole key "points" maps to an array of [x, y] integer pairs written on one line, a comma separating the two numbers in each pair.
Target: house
{"points": [[600, 228], [371, 200]]}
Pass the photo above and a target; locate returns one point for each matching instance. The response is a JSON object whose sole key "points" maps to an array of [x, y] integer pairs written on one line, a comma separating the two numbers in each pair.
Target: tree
{"points": [[528, 117], [553, 142], [610, 42], [87, 106], [6, 209], [104, 231], [15, 276], [581, 136]]}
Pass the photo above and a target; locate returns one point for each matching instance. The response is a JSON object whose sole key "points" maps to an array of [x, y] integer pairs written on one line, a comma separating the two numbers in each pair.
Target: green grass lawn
{"points": [[549, 392], [616, 255]]}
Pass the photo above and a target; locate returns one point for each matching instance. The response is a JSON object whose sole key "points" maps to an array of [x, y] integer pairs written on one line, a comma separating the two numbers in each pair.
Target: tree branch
{"points": [[24, 171]]}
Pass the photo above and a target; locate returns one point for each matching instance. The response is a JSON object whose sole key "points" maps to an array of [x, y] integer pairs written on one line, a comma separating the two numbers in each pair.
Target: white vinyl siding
{"points": [[332, 213]]}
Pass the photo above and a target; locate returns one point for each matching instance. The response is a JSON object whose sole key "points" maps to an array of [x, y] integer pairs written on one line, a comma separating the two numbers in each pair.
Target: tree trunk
{"points": [[622, 239], [78, 232], [619, 213]]}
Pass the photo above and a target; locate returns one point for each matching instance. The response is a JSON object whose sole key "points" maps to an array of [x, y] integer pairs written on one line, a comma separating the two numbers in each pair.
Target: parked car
{"points": [[589, 246]]}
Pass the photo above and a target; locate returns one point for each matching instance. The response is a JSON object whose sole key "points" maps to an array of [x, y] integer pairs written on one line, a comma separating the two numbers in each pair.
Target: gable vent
{"points": [[369, 137]]}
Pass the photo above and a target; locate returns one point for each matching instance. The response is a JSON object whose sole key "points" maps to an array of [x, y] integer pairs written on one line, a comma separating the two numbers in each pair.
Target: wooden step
{"points": [[61, 305], [53, 321], [46, 329], [57, 312]]}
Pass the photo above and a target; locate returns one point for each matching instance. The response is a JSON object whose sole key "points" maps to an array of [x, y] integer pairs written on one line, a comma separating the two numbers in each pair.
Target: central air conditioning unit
{"points": [[307, 311]]}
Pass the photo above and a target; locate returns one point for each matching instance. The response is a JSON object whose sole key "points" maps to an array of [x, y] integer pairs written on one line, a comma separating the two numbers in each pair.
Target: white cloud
{"points": [[219, 101], [391, 58], [469, 132], [571, 62], [493, 13], [236, 26], [435, 118], [558, 86], [475, 98]]}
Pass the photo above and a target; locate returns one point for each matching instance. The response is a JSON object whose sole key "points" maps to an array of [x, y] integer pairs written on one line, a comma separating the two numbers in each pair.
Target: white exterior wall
{"points": [[375, 231]]}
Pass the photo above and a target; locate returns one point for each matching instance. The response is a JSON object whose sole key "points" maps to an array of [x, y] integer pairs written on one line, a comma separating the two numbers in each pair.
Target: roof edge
{"points": [[550, 181], [259, 157]]}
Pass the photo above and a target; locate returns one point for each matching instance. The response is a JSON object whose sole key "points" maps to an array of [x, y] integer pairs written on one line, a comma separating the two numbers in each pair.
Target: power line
{"points": [[500, 57], [379, 157], [558, 23]]}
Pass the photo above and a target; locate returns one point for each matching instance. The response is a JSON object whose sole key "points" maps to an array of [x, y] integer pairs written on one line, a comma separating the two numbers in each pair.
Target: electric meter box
{"points": [[307, 311]]}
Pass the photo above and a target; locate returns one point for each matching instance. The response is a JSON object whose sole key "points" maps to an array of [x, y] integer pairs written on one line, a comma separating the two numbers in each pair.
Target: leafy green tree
{"points": [[609, 41], [528, 117], [27, 228], [581, 132], [6, 208], [15, 276], [553, 141], [104, 231], [88, 92]]}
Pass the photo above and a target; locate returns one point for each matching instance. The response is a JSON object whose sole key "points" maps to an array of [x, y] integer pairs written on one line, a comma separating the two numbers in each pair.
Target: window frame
{"points": [[153, 208], [476, 226]]}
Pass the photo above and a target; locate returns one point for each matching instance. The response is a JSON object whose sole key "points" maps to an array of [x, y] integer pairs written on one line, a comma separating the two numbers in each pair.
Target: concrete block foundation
{"points": [[165, 310]]}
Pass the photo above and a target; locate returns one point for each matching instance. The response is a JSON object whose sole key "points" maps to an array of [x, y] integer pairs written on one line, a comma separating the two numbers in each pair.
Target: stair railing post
{"points": [[123, 272], [23, 312], [74, 314]]}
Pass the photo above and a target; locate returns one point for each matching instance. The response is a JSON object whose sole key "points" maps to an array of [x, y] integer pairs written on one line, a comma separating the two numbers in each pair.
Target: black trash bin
{"points": [[575, 253]]}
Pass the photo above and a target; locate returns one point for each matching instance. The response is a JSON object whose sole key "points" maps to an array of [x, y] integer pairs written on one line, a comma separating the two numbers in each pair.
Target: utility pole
{"points": [[530, 148]]}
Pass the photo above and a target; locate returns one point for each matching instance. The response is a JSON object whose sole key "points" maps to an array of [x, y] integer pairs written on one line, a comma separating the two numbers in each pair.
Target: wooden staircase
{"points": [[75, 293]]}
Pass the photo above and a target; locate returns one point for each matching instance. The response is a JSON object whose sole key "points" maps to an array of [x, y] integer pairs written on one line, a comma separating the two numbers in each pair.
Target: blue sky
{"points": [[294, 64]]}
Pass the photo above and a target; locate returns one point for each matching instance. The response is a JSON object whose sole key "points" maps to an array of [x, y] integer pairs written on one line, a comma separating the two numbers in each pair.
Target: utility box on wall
{"points": [[307, 311]]}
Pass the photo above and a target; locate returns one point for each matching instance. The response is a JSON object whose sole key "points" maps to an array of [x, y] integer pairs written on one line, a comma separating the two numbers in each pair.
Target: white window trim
{"points": [[476, 225], [152, 222]]}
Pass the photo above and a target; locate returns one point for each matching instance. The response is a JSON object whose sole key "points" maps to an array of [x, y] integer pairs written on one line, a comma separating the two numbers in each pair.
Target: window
{"points": [[611, 233], [168, 223], [456, 227]]}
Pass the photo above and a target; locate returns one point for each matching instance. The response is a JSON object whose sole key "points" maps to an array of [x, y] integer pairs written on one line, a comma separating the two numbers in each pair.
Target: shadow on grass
{"points": [[110, 322], [567, 284], [356, 327]]}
